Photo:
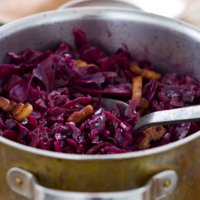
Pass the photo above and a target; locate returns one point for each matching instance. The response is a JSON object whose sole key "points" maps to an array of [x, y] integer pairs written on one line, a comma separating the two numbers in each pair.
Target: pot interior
{"points": [[170, 45]]}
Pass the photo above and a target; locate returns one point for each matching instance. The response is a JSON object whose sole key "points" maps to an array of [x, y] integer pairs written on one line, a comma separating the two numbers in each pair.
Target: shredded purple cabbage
{"points": [[56, 87]]}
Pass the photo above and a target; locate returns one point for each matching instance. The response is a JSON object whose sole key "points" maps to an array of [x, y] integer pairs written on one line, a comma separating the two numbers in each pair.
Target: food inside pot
{"points": [[53, 99]]}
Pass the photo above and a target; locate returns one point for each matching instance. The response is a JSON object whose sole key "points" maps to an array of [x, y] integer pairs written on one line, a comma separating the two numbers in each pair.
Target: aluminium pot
{"points": [[170, 172]]}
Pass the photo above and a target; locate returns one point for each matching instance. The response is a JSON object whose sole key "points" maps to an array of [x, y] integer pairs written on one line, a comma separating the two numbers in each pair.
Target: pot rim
{"points": [[101, 13], [86, 3]]}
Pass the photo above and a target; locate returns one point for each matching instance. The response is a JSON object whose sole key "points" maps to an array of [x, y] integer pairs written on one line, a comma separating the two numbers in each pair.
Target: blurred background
{"points": [[187, 10]]}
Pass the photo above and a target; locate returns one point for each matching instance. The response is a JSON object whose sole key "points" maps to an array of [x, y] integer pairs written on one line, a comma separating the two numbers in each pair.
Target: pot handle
{"points": [[105, 3], [26, 185]]}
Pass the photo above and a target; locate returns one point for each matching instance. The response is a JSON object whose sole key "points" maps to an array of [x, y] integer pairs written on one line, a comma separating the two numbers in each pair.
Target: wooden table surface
{"points": [[13, 9], [192, 13]]}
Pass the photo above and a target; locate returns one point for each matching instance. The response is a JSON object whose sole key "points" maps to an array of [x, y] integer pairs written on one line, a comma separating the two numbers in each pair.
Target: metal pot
{"points": [[97, 3], [170, 171], [152, 6]]}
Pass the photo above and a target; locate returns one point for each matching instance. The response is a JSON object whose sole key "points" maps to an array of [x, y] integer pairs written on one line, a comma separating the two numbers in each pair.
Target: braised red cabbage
{"points": [[56, 87]]}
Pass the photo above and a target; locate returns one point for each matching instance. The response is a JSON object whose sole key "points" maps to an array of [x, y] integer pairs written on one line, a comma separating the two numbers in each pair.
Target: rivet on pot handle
{"points": [[25, 184]]}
